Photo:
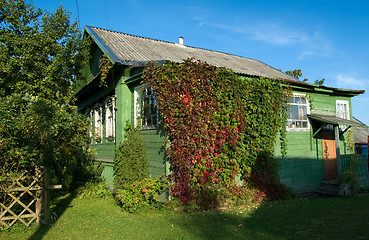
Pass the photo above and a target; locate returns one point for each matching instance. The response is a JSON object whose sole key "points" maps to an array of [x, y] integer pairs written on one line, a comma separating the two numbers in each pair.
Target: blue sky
{"points": [[325, 39]]}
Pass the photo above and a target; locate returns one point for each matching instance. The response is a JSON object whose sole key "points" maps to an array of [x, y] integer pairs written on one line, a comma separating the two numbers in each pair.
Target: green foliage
{"points": [[35, 131], [40, 57], [319, 82], [264, 176], [41, 52], [354, 169], [130, 163], [105, 66], [217, 123], [134, 196], [296, 74], [94, 189]]}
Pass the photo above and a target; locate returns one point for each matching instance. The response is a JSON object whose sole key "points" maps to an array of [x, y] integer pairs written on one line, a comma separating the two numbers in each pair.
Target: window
{"points": [[98, 123], [145, 111], [89, 115], [299, 108], [342, 109], [110, 119]]}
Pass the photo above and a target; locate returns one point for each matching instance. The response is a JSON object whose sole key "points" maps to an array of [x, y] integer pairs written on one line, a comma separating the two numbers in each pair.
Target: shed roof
{"points": [[360, 133], [330, 119], [129, 49]]}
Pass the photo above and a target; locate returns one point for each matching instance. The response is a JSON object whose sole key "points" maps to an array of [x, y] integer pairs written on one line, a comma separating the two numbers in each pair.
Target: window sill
{"points": [[298, 129]]}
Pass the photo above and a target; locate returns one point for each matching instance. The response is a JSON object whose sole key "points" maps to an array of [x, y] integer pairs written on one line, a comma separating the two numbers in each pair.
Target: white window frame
{"points": [[110, 118], [289, 128], [98, 123], [347, 109], [89, 115], [338, 112], [138, 118]]}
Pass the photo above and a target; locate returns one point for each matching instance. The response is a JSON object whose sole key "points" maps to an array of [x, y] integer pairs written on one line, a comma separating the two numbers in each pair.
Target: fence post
{"points": [[45, 197], [42, 203]]}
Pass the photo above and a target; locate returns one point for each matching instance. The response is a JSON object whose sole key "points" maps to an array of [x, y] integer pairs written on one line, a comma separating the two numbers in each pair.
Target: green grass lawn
{"points": [[301, 218]]}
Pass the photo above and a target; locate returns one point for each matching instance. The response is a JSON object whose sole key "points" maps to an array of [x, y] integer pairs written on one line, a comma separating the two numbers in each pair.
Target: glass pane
{"points": [[146, 108], [152, 106], [302, 113], [149, 121], [294, 112], [298, 100]]}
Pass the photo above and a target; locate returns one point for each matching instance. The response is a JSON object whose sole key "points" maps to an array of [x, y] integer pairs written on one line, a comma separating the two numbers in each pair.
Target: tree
{"points": [[319, 82], [297, 74], [39, 53], [40, 57]]}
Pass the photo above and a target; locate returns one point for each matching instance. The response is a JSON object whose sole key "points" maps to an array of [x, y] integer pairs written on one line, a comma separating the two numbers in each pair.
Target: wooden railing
{"points": [[357, 162]]}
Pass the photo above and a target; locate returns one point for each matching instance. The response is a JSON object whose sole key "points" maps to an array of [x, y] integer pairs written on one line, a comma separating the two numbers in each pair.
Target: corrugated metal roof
{"points": [[130, 48], [360, 133], [333, 120]]}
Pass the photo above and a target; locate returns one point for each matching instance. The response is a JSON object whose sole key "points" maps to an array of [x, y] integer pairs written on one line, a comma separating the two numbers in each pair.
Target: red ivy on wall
{"points": [[211, 115]]}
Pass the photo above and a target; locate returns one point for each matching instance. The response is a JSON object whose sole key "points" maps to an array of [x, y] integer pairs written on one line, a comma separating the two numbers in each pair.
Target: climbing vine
{"points": [[105, 66], [217, 122]]}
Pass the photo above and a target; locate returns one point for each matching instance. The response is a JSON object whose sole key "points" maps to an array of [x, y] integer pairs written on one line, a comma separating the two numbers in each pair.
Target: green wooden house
{"points": [[316, 134]]}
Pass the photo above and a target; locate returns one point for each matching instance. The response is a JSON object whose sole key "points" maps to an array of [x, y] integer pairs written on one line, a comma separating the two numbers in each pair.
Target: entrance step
{"points": [[328, 188]]}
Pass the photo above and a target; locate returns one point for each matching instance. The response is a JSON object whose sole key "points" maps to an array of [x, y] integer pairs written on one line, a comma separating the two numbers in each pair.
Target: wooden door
{"points": [[329, 154]]}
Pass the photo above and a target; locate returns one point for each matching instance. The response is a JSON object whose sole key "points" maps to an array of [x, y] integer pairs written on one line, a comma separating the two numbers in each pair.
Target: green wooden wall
{"points": [[155, 152], [153, 139], [302, 168]]}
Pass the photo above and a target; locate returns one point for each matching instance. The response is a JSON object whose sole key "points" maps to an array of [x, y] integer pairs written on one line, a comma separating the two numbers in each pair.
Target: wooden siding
{"points": [[123, 103], [108, 173], [92, 68], [302, 168], [155, 152], [104, 151]]}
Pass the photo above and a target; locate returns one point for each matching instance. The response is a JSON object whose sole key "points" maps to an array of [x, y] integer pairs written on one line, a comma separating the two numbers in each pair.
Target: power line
{"points": [[106, 13], [79, 25]]}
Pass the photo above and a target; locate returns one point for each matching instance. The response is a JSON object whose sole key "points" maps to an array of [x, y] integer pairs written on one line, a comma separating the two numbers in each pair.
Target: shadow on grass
{"points": [[303, 218], [60, 202], [225, 225]]}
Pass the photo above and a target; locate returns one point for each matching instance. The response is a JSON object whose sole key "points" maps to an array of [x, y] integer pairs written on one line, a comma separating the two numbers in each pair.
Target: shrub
{"points": [[264, 176], [351, 173], [130, 164], [95, 189], [38, 132], [135, 196]]}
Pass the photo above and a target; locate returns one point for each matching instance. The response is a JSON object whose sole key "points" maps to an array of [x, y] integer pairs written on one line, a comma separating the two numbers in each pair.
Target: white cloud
{"points": [[305, 42], [268, 32], [348, 81]]}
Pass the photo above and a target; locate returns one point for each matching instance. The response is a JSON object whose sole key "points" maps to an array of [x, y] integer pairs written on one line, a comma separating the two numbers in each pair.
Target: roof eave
{"points": [[326, 89], [100, 42]]}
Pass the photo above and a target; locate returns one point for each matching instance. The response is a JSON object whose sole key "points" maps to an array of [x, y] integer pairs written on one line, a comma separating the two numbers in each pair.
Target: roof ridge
{"points": [[163, 41]]}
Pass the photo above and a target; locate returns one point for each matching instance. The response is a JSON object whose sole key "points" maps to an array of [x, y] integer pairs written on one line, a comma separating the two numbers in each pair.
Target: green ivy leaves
{"points": [[216, 120]]}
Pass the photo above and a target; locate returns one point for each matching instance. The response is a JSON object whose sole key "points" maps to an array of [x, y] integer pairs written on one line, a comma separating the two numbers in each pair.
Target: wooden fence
{"points": [[358, 163], [26, 199]]}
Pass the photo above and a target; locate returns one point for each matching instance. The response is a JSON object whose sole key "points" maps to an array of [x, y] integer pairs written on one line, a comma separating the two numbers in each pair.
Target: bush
{"points": [[95, 189], [131, 163], [264, 176], [38, 132], [137, 195]]}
